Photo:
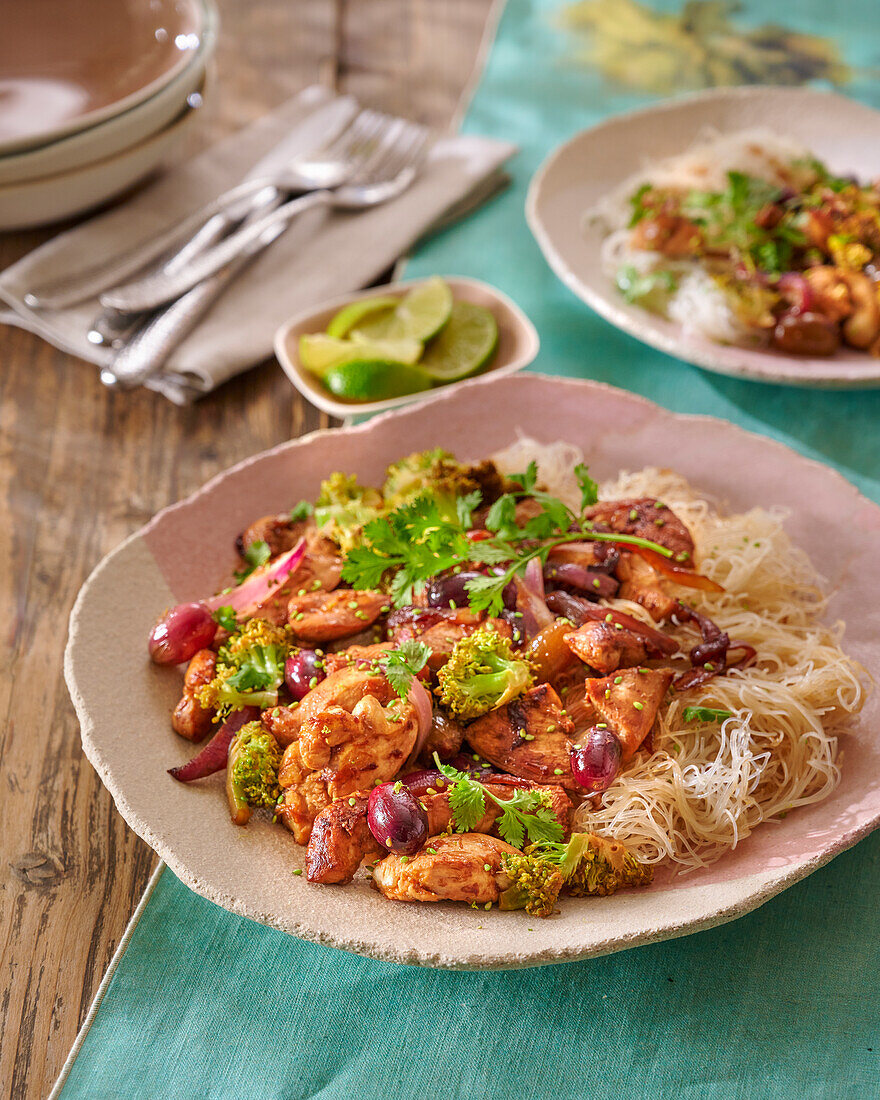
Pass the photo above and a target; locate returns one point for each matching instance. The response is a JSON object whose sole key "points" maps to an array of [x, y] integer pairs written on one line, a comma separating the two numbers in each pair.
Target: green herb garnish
{"points": [[225, 617], [402, 664], [255, 555], [706, 714]]}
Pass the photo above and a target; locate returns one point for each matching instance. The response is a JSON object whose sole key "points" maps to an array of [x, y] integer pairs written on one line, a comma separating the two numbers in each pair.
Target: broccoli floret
{"points": [[482, 673], [252, 771], [591, 864], [344, 508], [250, 669], [535, 886], [435, 472]]}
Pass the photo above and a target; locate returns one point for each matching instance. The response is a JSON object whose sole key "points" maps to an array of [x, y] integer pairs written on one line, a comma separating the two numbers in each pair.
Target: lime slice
{"points": [[463, 346], [374, 380], [355, 312], [319, 353], [419, 315]]}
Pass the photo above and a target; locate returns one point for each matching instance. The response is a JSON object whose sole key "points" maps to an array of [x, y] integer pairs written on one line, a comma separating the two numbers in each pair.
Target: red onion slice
{"points": [[421, 701], [214, 755], [260, 585]]}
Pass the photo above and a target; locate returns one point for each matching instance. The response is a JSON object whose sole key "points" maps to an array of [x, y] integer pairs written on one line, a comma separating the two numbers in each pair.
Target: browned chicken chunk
{"points": [[643, 585], [440, 628], [339, 752], [527, 737], [606, 646], [325, 616], [278, 533], [461, 867], [341, 840], [629, 702], [189, 719], [363, 656], [344, 688], [646, 517], [501, 786]]}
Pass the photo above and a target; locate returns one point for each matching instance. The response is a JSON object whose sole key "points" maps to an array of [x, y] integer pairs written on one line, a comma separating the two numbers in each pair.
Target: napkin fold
{"points": [[322, 255]]}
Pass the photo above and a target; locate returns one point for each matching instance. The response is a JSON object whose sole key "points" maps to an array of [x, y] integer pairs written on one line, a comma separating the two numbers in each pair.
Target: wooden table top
{"points": [[82, 467]]}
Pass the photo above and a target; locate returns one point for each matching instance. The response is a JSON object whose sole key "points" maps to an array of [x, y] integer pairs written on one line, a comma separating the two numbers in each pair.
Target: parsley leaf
{"points": [[301, 511], [401, 665], [706, 714], [255, 555], [526, 814], [225, 617], [589, 488]]}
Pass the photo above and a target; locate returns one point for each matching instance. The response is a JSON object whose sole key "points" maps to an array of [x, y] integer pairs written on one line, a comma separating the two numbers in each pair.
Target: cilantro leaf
{"points": [[225, 617], [301, 511], [255, 555], [467, 797], [529, 479], [589, 488], [465, 506], [401, 665], [706, 714]]}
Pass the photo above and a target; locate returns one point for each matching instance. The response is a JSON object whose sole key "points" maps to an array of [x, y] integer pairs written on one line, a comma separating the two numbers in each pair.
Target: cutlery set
{"points": [[154, 295]]}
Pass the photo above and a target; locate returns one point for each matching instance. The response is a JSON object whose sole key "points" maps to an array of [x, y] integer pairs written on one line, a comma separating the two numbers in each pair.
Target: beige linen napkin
{"points": [[323, 255]]}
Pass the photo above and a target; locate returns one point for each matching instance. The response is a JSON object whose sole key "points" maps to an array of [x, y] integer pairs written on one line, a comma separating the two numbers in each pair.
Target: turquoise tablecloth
{"points": [[783, 1003]]}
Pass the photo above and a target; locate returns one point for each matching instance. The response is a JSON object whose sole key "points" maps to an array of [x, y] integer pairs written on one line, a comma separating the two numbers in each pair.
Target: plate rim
{"points": [[676, 346], [766, 884]]}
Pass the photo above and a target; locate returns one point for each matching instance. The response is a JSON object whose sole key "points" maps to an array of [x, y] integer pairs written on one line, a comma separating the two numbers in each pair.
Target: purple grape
{"points": [[450, 589], [596, 762], [302, 672], [181, 633], [397, 819]]}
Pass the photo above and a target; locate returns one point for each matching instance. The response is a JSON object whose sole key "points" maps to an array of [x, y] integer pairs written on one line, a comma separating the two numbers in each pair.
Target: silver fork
{"points": [[389, 169], [385, 171]]}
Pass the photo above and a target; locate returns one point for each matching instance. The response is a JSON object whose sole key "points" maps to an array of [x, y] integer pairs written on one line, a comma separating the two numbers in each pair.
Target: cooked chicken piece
{"points": [[363, 656], [440, 628], [830, 292], [278, 533], [462, 867], [319, 571], [862, 327], [629, 702], [344, 688], [577, 706], [341, 840], [648, 518], [527, 737], [340, 752], [643, 585], [444, 738], [326, 616], [673, 235], [606, 646], [189, 719]]}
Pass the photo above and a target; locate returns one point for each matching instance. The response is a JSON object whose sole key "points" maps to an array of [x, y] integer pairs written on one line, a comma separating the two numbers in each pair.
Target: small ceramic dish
{"points": [[842, 133], [52, 198], [102, 58], [518, 343]]}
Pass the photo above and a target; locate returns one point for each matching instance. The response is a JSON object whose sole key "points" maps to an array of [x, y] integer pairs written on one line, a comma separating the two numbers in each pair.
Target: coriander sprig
{"points": [[525, 814], [403, 664]]}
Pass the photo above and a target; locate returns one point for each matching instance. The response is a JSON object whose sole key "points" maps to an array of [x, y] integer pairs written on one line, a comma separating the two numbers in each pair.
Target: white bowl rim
{"points": [[343, 409]]}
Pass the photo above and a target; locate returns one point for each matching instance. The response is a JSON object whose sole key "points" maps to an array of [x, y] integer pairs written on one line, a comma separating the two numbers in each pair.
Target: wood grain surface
{"points": [[82, 467]]}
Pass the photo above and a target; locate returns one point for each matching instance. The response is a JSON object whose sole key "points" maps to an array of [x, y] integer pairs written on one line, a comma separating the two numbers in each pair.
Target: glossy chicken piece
{"points": [[527, 737], [362, 656], [642, 584], [341, 840], [339, 752], [189, 719], [606, 646], [461, 867], [318, 617], [629, 702], [344, 688], [278, 533], [440, 628], [319, 571], [646, 517]]}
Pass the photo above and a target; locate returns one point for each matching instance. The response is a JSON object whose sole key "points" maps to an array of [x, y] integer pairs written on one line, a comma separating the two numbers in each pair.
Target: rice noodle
{"points": [[705, 787]]}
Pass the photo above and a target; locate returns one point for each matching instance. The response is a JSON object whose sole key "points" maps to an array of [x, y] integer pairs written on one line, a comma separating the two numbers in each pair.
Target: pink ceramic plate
{"points": [[123, 701], [841, 132]]}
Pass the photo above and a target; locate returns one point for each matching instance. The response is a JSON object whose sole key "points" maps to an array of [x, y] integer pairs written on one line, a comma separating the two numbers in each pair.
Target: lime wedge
{"points": [[463, 346], [419, 315], [319, 353], [355, 312], [374, 380]]}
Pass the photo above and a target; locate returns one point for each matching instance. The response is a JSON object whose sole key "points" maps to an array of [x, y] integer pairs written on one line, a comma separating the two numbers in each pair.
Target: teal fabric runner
{"points": [[782, 1003]]}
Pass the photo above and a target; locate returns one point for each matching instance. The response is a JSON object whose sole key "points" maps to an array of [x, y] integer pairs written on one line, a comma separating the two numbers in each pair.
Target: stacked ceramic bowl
{"points": [[94, 96]]}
